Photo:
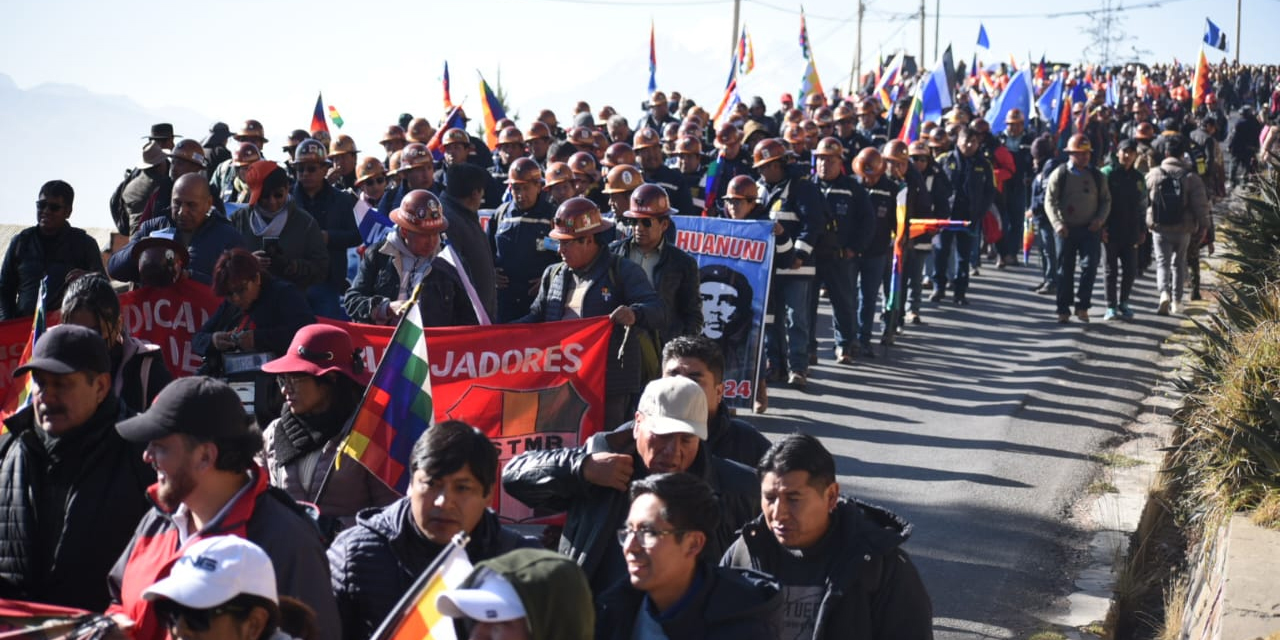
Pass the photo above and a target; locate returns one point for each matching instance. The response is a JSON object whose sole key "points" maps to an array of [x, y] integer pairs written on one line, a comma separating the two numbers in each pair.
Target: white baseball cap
{"points": [[215, 570], [493, 600], [674, 405]]}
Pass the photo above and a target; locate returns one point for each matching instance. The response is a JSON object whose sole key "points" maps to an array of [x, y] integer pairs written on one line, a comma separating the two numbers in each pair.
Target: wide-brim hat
{"points": [[162, 131], [318, 349], [153, 155]]}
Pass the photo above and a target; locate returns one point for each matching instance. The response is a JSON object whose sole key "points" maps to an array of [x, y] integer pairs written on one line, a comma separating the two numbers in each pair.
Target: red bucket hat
{"points": [[318, 349]]}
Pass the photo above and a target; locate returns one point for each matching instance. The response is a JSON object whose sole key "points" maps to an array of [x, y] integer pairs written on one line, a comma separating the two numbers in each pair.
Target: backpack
{"points": [[1168, 205], [1199, 156], [120, 213]]}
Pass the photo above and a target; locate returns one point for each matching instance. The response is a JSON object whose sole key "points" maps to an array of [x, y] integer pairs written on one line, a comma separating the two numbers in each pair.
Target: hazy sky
{"points": [[267, 59]]}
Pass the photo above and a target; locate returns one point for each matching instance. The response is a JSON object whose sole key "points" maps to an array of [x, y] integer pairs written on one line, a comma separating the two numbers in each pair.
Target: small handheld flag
{"points": [[335, 116], [492, 109], [982, 37], [1213, 36], [416, 616], [444, 81], [317, 116], [804, 36], [653, 62], [1200, 86], [19, 393]]}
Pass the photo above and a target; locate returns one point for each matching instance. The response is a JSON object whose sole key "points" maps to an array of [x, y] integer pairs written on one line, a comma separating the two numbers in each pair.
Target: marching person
{"points": [[287, 241], [1077, 202], [322, 378], [1178, 216], [52, 250], [672, 272], [1125, 230], [525, 594], [518, 236]]}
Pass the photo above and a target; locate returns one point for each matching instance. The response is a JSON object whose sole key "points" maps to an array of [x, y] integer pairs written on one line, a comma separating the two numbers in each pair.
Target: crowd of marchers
{"points": [[160, 503]]}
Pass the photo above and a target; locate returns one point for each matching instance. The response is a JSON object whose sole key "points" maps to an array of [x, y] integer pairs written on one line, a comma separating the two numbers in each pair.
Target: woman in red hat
{"points": [[322, 378]]}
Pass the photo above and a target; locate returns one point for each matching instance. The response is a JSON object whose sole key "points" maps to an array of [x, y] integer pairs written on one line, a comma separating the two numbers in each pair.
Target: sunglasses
{"points": [[376, 180], [642, 222], [198, 620], [45, 205]]}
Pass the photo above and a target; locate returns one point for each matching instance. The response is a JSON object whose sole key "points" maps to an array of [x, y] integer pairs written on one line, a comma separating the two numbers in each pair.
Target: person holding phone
{"points": [[288, 243]]}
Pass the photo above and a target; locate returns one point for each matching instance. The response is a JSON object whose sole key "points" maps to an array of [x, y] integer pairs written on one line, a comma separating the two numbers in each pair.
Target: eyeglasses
{"points": [[290, 380], [643, 222], [45, 205], [728, 200], [198, 620], [648, 537]]}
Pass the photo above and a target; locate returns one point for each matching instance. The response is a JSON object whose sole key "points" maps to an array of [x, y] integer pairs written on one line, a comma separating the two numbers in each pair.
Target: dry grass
{"points": [[1267, 514], [1175, 609]]}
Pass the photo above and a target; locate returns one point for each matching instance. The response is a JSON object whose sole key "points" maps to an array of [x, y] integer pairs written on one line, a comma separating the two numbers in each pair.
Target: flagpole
{"points": [[733, 37], [392, 622], [855, 73], [1237, 31]]}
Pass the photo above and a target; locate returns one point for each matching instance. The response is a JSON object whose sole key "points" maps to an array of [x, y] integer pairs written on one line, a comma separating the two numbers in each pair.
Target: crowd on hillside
{"points": [[159, 502]]}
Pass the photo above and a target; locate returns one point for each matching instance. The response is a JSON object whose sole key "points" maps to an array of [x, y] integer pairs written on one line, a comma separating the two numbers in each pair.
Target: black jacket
{"points": [[973, 186], [68, 511], [443, 300], [467, 237], [333, 211], [278, 314], [374, 563], [797, 205], [552, 479], [735, 439], [1128, 217], [728, 604], [850, 211], [673, 183], [872, 589], [675, 278], [26, 263]]}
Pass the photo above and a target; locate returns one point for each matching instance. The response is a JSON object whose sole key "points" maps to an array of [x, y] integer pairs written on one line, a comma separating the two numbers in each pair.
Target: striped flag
{"points": [[1200, 85], [453, 120], [444, 81], [415, 617], [335, 116], [19, 393], [317, 117], [372, 224], [492, 109], [653, 62], [889, 78], [396, 408], [804, 36]]}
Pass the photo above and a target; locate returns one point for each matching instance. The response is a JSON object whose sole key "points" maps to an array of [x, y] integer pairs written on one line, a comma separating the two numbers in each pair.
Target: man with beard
{"points": [[73, 489], [201, 444]]}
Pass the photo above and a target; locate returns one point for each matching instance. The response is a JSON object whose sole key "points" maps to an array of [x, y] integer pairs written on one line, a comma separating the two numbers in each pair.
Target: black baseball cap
{"points": [[68, 348], [198, 406]]}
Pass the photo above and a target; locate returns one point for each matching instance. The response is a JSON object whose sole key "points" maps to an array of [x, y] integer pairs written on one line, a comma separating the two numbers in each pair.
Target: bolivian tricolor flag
{"points": [[415, 617]]}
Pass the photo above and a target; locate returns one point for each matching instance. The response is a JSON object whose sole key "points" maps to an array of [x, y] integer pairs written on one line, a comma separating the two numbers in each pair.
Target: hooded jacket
{"points": [[870, 588], [727, 603], [552, 479], [375, 562], [1195, 202], [554, 593]]}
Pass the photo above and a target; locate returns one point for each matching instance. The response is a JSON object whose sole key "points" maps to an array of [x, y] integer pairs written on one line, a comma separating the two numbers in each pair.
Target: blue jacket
{"points": [[972, 182], [614, 282], [797, 205], [333, 211], [851, 212], [673, 183], [207, 243], [521, 250], [884, 206]]}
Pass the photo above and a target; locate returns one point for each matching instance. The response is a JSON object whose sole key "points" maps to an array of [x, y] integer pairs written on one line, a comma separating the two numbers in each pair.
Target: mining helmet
{"points": [[767, 151], [622, 178], [420, 212], [578, 217], [649, 201], [524, 170]]}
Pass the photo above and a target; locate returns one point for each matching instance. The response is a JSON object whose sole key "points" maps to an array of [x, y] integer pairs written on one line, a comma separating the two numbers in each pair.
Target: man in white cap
{"points": [[222, 587], [526, 594], [591, 481]]}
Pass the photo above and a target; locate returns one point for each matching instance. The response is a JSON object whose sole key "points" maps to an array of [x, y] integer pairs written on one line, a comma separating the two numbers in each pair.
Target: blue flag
{"points": [[1016, 96], [982, 37], [1213, 36], [935, 95], [1050, 103]]}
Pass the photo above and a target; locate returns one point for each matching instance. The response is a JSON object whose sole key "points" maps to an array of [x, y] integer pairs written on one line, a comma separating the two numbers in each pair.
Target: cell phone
{"points": [[271, 244], [547, 243]]}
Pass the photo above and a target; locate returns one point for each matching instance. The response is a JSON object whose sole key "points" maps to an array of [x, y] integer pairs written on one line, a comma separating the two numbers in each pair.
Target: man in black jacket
{"points": [[73, 488], [698, 358], [51, 249], [462, 200], [672, 272], [374, 563], [673, 591], [591, 481], [839, 561], [332, 210]]}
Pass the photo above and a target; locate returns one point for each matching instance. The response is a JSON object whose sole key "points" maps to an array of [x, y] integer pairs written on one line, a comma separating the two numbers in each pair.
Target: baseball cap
{"points": [[494, 599], [215, 570], [674, 405], [198, 406], [68, 348]]}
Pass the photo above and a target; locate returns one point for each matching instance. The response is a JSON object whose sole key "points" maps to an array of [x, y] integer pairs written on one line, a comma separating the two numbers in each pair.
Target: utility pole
{"points": [[733, 37], [922, 62], [854, 74], [1237, 31]]}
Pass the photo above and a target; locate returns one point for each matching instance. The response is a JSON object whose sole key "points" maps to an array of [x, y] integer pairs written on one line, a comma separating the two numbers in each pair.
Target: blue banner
{"points": [[735, 262]]}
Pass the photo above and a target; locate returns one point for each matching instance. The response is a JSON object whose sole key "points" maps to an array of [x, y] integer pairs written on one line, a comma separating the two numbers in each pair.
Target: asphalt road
{"points": [[978, 427]]}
